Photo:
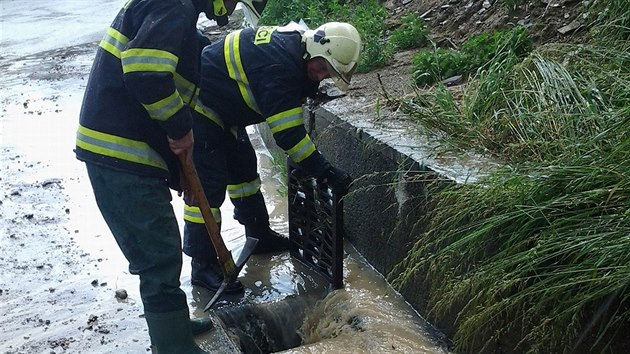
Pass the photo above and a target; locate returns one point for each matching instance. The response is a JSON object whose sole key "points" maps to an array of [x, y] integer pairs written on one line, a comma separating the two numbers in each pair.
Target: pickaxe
{"points": [[230, 268]]}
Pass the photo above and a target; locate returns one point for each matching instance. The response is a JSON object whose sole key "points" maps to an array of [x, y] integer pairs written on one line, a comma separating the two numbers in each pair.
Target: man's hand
{"points": [[338, 180], [189, 197], [183, 146]]}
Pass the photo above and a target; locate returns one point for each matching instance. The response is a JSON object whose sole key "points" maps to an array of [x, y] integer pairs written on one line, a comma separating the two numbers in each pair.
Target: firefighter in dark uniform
{"points": [[253, 76], [137, 114]]}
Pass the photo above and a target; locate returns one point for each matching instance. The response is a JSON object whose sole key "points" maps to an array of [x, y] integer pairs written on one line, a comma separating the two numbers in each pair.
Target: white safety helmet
{"points": [[340, 44]]}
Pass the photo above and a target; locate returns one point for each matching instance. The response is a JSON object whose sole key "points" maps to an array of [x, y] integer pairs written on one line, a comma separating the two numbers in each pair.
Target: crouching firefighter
{"points": [[137, 115], [253, 76]]}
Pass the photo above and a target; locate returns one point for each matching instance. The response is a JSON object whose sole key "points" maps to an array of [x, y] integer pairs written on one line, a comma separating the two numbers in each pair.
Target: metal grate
{"points": [[316, 225]]}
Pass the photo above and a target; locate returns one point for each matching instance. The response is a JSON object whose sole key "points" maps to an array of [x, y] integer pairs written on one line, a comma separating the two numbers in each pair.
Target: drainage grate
{"points": [[316, 225]]}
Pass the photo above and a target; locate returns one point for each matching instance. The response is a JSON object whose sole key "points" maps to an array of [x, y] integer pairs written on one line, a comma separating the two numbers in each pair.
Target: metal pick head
{"points": [[246, 252], [217, 294]]}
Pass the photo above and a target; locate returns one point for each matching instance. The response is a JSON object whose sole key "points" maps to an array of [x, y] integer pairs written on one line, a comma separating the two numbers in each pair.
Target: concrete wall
{"points": [[384, 210]]}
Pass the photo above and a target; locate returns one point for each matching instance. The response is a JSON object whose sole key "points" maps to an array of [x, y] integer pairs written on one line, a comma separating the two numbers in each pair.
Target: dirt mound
{"points": [[453, 21]]}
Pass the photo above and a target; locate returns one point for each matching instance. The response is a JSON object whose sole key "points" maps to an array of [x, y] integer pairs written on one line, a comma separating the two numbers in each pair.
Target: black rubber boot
{"points": [[171, 334], [209, 275], [269, 241], [200, 325]]}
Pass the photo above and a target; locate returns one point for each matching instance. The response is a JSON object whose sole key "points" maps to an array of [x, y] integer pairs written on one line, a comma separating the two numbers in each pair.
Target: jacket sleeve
{"points": [[150, 61], [203, 40], [280, 101]]}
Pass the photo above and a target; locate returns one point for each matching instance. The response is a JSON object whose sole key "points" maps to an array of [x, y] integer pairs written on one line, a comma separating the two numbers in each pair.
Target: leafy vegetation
{"points": [[412, 33], [368, 16], [436, 65]]}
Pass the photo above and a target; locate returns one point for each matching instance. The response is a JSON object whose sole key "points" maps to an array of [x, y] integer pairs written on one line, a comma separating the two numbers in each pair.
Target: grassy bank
{"points": [[540, 249]]}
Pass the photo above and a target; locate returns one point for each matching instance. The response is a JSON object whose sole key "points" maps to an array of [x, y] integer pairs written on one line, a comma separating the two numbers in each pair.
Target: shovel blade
{"points": [[246, 252]]}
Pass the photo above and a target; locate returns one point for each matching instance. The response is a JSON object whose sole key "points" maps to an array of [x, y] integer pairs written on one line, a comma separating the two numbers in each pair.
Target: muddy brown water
{"points": [[60, 267]]}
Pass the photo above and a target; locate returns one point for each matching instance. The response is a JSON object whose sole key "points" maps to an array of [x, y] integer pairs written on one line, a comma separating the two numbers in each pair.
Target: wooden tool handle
{"points": [[223, 254]]}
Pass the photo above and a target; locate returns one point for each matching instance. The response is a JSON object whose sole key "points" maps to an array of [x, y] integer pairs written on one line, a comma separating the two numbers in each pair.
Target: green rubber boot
{"points": [[171, 333], [200, 325]]}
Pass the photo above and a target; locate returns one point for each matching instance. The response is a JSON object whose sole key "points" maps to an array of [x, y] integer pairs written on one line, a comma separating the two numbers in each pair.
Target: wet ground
{"points": [[60, 268]]}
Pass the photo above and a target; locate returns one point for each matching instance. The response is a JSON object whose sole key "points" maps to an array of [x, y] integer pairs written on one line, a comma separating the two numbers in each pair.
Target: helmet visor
{"points": [[341, 74]]}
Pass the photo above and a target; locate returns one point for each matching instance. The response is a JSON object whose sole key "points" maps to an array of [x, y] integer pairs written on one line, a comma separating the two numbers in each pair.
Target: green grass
{"points": [[279, 162], [555, 102], [368, 16], [412, 33], [476, 53], [537, 251], [610, 19], [434, 66]]}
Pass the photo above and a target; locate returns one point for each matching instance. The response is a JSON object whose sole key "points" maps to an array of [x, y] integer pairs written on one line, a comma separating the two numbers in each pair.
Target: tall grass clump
{"points": [[610, 19], [413, 33], [555, 102], [542, 253], [430, 66]]}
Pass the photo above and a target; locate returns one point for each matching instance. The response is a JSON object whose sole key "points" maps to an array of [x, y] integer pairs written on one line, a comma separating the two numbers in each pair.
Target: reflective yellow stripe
{"points": [[243, 190], [302, 150], [207, 112], [185, 88], [235, 68], [285, 120], [219, 7], [141, 59], [193, 214], [114, 42], [165, 108], [118, 147], [190, 93]]}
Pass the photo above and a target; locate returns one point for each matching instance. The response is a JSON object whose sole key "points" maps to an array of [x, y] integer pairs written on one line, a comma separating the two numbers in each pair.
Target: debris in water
{"points": [[121, 294], [50, 181]]}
